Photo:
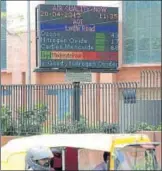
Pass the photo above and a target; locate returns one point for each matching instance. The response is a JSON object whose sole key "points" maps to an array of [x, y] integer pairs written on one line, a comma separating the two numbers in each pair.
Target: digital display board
{"points": [[77, 37]]}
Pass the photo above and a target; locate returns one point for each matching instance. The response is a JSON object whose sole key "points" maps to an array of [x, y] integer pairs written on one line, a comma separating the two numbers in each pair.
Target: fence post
{"points": [[76, 101]]}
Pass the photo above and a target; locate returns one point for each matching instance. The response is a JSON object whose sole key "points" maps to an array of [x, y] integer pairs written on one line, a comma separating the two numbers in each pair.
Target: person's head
{"points": [[106, 156], [57, 152], [38, 158]]}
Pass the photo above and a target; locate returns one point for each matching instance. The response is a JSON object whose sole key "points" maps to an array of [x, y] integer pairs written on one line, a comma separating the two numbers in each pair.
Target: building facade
{"points": [[3, 35], [139, 39], [139, 47], [141, 50]]}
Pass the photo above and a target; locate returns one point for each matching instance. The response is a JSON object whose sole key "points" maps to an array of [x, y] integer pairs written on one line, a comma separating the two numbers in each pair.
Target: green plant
{"points": [[30, 122], [144, 127], [7, 125], [159, 127], [109, 128], [81, 126], [69, 126]]}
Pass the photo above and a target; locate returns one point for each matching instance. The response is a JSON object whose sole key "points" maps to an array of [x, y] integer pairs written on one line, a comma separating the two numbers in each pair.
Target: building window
{"points": [[141, 32], [3, 35]]}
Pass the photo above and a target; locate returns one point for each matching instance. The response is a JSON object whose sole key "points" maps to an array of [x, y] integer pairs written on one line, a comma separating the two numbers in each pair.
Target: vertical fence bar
{"points": [[54, 107], [84, 89], [109, 102], [76, 102], [112, 103], [145, 95], [155, 87], [103, 104], [91, 105], [88, 105], [106, 104]]}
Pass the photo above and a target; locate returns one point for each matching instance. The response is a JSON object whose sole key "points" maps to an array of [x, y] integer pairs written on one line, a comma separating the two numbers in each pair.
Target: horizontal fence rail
{"points": [[80, 108]]}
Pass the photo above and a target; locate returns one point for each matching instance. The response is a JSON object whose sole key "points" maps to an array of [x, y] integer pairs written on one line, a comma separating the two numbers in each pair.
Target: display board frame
{"points": [[110, 67]]}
